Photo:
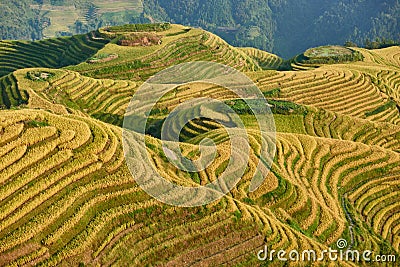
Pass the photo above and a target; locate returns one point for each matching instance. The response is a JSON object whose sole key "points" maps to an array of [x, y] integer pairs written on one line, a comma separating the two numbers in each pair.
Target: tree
{"points": [[350, 44]]}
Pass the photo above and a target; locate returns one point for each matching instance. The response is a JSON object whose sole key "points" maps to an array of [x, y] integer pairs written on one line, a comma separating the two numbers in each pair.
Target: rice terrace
{"points": [[68, 198]]}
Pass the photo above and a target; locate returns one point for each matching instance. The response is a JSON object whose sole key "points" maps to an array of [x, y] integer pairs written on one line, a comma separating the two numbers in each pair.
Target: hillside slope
{"points": [[67, 196], [178, 44], [53, 53]]}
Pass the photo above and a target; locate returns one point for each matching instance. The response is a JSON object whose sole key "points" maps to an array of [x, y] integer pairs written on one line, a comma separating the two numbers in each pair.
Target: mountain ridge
{"points": [[284, 27]]}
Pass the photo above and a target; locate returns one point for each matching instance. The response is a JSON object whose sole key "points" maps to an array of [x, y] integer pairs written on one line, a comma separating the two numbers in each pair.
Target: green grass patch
{"points": [[237, 215], [114, 119], [296, 227], [286, 107], [195, 177], [388, 105], [221, 168], [272, 93], [248, 106], [37, 124], [248, 201], [290, 123], [278, 193]]}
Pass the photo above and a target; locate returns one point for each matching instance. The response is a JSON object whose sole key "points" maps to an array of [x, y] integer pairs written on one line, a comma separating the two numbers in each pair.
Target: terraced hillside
{"points": [[264, 59], [178, 44], [104, 99], [340, 88], [52, 53], [67, 196], [65, 190], [10, 94]]}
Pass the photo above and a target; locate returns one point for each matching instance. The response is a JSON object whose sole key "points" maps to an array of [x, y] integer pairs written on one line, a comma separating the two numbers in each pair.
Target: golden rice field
{"points": [[67, 196], [336, 88]]}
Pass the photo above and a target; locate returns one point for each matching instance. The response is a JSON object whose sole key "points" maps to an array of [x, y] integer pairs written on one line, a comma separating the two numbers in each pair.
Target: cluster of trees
{"points": [[241, 23], [380, 43], [20, 21], [285, 27], [355, 56]]}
